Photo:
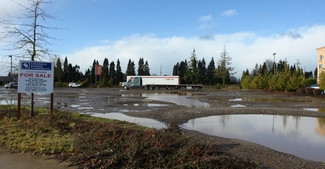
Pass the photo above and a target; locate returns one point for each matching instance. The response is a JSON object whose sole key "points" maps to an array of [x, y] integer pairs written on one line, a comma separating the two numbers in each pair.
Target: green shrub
{"points": [[61, 84], [309, 82]]}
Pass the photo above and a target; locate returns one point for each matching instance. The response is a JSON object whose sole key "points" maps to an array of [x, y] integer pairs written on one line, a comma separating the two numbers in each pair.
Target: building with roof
{"points": [[320, 61]]}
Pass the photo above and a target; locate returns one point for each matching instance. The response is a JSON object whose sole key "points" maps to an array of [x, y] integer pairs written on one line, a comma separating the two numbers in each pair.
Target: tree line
{"points": [[196, 72], [193, 72], [111, 74], [279, 77]]}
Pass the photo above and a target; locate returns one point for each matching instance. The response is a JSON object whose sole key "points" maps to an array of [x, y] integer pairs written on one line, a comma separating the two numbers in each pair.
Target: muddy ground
{"points": [[255, 102], [276, 103]]}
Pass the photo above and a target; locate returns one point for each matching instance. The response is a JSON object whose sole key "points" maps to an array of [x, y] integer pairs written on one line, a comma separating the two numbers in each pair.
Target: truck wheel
{"points": [[152, 87], [126, 88], [145, 88]]}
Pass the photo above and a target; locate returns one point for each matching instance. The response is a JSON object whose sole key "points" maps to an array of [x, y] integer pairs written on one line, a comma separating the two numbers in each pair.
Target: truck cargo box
{"points": [[157, 80]]}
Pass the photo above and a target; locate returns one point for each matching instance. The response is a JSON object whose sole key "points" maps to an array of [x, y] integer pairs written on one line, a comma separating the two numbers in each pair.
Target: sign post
{"points": [[36, 77], [98, 71]]}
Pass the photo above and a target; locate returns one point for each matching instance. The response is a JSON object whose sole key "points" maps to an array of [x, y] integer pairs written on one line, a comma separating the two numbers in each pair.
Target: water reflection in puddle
{"points": [[74, 105], [249, 99], [314, 109], [176, 99], [238, 106], [85, 108], [146, 122], [8, 102], [236, 100], [145, 105], [300, 136]]}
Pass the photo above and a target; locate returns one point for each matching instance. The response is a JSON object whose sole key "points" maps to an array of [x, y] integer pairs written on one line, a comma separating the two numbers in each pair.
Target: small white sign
{"points": [[35, 77]]}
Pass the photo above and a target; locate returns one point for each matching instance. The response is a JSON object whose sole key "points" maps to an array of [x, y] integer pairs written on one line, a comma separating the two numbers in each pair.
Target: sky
{"points": [[165, 32]]}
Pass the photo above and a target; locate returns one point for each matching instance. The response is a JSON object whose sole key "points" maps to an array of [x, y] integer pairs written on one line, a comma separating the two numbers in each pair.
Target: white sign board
{"points": [[35, 77]]}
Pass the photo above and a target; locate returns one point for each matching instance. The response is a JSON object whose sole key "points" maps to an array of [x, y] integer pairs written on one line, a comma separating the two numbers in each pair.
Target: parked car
{"points": [[11, 85], [315, 86], [72, 84]]}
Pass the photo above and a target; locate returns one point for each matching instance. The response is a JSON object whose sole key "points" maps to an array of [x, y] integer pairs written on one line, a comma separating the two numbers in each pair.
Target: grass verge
{"points": [[91, 142]]}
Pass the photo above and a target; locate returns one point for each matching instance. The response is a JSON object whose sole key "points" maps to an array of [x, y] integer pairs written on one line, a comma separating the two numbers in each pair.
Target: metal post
{"points": [[31, 104], [11, 66], [19, 106], [52, 100]]}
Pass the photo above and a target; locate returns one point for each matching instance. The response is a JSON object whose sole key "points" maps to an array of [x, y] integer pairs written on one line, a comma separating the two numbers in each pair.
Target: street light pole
{"points": [[11, 66], [274, 63]]}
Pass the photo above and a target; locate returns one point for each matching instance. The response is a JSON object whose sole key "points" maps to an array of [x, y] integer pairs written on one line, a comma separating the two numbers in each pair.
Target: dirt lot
{"points": [[265, 103], [256, 102]]}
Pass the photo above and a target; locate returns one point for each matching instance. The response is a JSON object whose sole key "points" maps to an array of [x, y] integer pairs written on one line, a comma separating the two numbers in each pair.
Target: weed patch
{"points": [[97, 143]]}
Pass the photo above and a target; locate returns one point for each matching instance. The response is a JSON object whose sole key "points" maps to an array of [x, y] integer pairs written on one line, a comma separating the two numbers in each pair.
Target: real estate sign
{"points": [[35, 77]]}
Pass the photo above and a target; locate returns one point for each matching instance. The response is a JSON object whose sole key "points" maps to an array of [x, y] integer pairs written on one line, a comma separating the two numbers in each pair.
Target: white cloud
{"points": [[207, 22], [10, 8], [206, 18], [245, 48], [230, 12]]}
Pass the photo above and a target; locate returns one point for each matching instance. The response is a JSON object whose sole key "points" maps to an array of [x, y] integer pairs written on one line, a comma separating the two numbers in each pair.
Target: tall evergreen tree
{"points": [[105, 72], [224, 69], [201, 72], [65, 69], [192, 72], [141, 67], [182, 71], [130, 71], [119, 74], [70, 73], [146, 69], [58, 72], [112, 74], [211, 70], [176, 70], [93, 73]]}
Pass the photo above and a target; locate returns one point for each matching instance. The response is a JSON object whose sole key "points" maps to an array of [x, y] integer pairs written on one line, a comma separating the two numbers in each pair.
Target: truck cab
{"points": [[133, 82]]}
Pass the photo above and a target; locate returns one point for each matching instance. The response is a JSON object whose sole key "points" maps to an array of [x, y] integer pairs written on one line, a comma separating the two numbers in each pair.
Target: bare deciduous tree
{"points": [[27, 34]]}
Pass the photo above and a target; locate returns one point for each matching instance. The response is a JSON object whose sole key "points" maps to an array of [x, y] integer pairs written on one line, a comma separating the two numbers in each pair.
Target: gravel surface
{"points": [[135, 103]]}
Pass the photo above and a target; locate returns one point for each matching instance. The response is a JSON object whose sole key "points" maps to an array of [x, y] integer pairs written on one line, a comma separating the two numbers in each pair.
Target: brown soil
{"points": [[278, 103]]}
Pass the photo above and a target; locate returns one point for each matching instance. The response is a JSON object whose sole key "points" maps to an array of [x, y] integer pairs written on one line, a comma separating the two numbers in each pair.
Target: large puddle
{"points": [[146, 122], [300, 136], [176, 99]]}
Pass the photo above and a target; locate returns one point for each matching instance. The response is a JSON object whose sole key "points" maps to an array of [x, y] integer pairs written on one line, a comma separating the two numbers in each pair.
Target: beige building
{"points": [[320, 61]]}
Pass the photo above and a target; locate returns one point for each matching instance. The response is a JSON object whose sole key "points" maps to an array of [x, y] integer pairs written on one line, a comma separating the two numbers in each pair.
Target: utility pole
{"points": [[11, 66], [274, 62]]}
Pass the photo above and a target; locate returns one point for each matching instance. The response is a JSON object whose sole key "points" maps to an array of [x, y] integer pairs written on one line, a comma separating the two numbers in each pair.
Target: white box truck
{"points": [[156, 82]]}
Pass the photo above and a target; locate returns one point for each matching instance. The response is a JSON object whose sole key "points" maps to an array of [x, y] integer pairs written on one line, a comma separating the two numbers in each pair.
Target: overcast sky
{"points": [[165, 32]]}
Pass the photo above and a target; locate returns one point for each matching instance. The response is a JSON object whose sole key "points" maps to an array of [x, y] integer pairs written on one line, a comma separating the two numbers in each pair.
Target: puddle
{"points": [[62, 104], [132, 95], [238, 106], [145, 105], [146, 122], [74, 105], [8, 102], [85, 108], [176, 99], [300, 136], [236, 100], [314, 109], [267, 100]]}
